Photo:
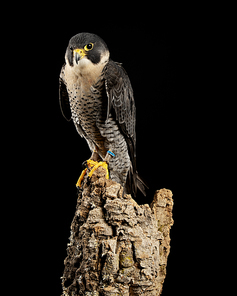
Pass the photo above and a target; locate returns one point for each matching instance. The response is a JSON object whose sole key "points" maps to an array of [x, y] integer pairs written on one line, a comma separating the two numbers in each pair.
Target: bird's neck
{"points": [[85, 72]]}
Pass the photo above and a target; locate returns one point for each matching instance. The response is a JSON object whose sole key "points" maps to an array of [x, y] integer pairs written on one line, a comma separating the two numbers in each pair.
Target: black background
{"points": [[155, 48]]}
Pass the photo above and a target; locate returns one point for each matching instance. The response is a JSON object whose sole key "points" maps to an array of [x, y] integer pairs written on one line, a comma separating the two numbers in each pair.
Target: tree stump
{"points": [[117, 247]]}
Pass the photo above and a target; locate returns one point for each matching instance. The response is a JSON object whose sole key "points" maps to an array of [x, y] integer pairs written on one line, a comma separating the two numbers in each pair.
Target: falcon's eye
{"points": [[89, 46], [71, 48]]}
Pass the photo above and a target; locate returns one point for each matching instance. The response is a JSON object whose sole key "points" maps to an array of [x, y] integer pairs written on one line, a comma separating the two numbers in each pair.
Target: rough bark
{"points": [[117, 247]]}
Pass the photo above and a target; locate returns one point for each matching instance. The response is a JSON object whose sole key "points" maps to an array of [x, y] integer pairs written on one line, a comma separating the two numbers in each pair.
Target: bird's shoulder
{"points": [[120, 97], [63, 95], [115, 72], [117, 82], [62, 73]]}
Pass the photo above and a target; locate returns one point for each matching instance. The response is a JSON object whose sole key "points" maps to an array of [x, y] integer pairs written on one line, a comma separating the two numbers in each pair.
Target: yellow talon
{"points": [[94, 165], [81, 178], [98, 164], [91, 163]]}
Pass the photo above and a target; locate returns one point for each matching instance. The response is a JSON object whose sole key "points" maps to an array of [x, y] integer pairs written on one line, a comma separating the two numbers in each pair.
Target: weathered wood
{"points": [[117, 247]]}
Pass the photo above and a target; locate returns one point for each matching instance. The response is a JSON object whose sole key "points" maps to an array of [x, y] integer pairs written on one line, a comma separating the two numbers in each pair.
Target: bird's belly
{"points": [[86, 109]]}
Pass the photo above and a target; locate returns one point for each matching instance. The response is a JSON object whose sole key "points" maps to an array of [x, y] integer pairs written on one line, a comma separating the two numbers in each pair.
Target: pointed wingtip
{"points": [[142, 185]]}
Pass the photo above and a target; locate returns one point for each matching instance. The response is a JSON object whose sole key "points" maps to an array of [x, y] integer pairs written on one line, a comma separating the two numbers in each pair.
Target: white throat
{"points": [[85, 70]]}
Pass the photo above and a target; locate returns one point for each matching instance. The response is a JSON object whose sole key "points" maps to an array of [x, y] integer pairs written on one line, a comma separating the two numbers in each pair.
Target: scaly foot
{"points": [[94, 165], [90, 164], [104, 165], [81, 178]]}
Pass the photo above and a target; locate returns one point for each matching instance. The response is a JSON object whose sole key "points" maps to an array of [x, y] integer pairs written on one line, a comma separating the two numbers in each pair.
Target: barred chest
{"points": [[87, 103], [87, 97]]}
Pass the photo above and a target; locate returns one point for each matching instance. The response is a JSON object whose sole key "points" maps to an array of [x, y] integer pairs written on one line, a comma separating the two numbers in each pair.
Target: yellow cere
{"points": [[80, 51]]}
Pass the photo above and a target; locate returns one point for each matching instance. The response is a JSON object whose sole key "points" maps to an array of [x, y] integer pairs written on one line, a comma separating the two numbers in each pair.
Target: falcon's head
{"points": [[85, 49]]}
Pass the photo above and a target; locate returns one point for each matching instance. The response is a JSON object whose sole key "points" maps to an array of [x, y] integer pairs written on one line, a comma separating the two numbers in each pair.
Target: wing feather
{"points": [[120, 99], [63, 97]]}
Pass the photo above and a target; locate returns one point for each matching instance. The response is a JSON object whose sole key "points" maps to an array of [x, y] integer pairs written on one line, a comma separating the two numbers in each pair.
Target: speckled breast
{"points": [[87, 106]]}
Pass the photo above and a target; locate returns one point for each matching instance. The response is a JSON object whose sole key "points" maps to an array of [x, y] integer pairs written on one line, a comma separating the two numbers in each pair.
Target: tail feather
{"points": [[134, 182], [142, 185]]}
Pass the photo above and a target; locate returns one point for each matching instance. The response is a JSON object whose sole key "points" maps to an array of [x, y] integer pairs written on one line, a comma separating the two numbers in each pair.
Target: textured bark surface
{"points": [[117, 247]]}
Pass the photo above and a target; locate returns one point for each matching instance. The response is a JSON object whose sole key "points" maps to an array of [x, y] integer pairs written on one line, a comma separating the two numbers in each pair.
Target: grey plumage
{"points": [[97, 94]]}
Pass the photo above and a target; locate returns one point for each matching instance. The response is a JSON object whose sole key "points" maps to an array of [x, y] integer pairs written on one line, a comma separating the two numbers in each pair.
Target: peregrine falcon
{"points": [[96, 93]]}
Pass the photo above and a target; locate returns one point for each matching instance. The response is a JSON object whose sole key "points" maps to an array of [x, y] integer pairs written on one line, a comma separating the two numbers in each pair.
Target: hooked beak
{"points": [[78, 54]]}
